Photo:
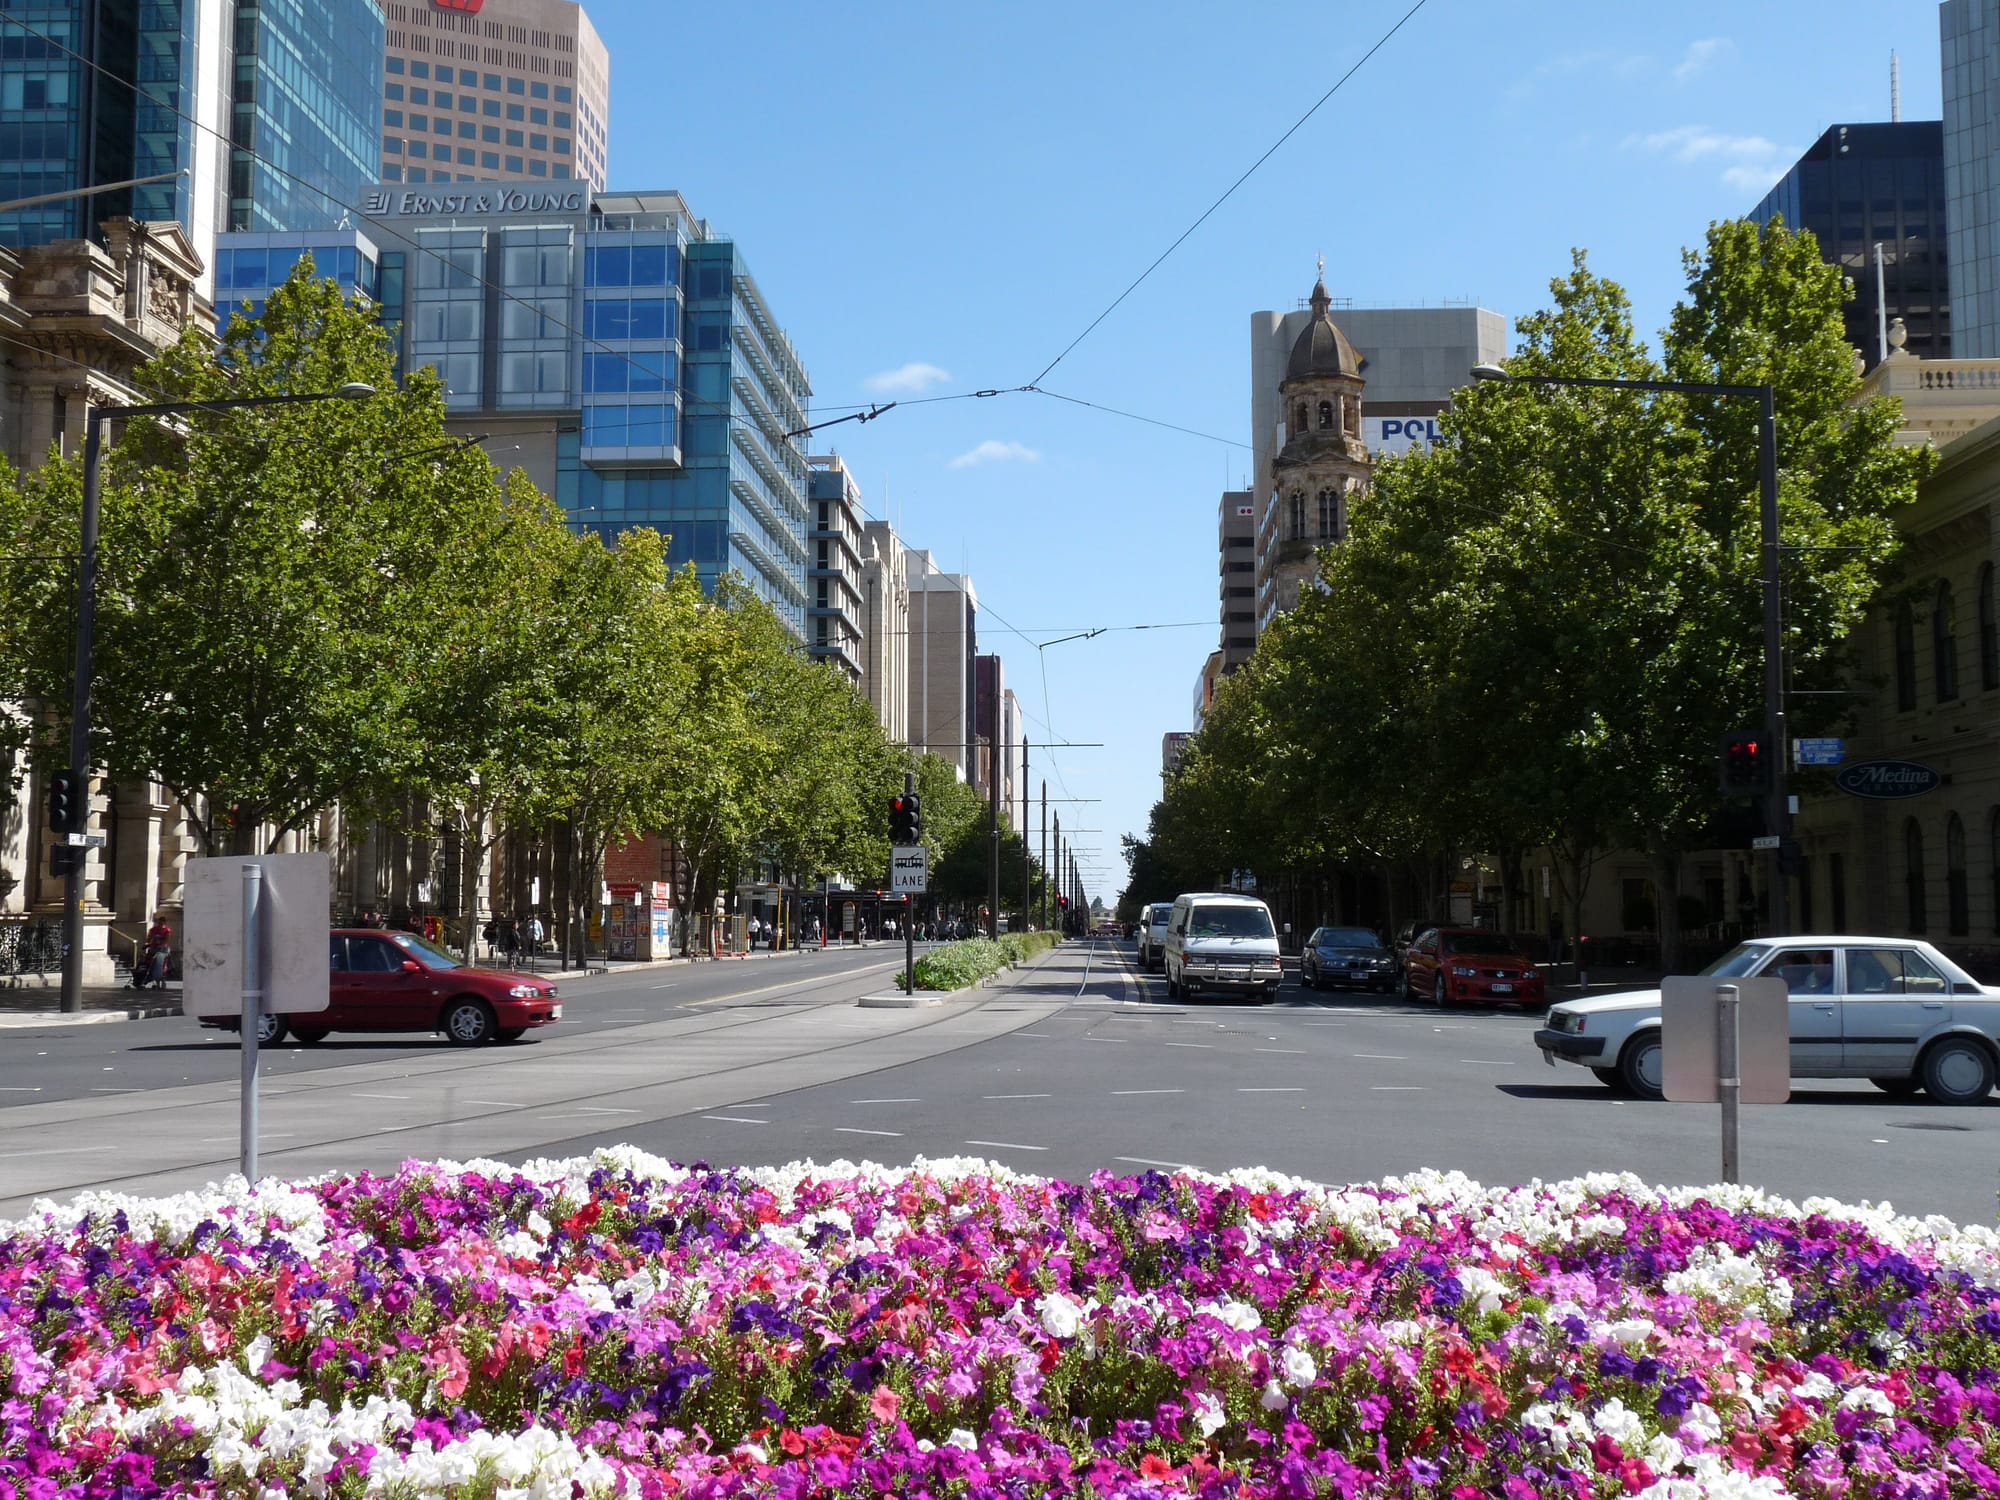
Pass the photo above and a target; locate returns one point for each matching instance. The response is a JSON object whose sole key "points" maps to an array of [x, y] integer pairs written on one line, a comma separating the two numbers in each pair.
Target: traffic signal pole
{"points": [[1779, 808], [909, 910], [994, 750], [79, 708]]}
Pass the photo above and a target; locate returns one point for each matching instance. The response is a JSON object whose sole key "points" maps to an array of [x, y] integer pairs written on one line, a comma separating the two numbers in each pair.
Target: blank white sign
{"points": [[297, 901]]}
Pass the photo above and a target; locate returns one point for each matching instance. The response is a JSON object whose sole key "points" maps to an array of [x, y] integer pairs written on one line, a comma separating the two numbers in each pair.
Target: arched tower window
{"points": [[1299, 423], [1295, 516], [1326, 414], [1352, 411], [1906, 657], [1944, 645], [1329, 515], [1989, 633], [1913, 874], [1957, 901]]}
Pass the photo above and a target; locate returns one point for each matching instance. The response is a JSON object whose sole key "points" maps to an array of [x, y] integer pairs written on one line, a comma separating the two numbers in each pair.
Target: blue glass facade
{"points": [[308, 97], [65, 124], [625, 354]]}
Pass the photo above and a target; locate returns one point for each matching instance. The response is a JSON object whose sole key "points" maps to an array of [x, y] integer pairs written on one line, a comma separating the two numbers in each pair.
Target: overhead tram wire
{"points": [[1229, 192]]}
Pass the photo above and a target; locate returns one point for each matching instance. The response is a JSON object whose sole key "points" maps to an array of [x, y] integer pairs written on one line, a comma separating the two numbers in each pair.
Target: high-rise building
{"points": [[1969, 48], [98, 91], [944, 640], [1884, 184], [308, 84], [885, 627], [1236, 571], [486, 90], [833, 571], [615, 349]]}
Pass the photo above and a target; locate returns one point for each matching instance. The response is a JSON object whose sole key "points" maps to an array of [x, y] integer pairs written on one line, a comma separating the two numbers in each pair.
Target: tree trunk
{"points": [[1667, 906], [1510, 887]]}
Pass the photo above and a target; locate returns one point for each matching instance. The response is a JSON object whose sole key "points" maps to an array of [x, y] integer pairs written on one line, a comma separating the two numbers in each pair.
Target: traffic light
{"points": [[1746, 763], [902, 813], [65, 803], [914, 805], [1062, 903], [63, 858]]}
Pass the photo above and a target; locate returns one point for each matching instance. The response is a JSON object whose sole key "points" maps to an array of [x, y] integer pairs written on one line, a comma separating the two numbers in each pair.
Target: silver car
{"points": [[1153, 933], [1895, 1011]]}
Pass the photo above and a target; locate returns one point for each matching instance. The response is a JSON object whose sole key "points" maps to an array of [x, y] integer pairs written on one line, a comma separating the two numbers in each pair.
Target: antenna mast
{"points": [[1895, 88]]}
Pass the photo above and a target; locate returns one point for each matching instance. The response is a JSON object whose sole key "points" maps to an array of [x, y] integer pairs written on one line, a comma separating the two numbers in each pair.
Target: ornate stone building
{"points": [[1322, 463]]}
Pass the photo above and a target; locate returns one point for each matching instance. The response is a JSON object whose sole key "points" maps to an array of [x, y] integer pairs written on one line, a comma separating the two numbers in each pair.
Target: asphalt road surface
{"points": [[1079, 1065]]}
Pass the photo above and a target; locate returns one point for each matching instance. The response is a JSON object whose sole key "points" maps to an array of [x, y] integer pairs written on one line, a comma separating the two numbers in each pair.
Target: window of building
{"points": [[562, 149], [467, 131], [490, 108], [467, 105], [1944, 645], [441, 126], [491, 81], [1989, 633], [392, 64], [441, 99], [1326, 414], [538, 168], [391, 172], [491, 135], [419, 149], [538, 142], [393, 144], [393, 118], [516, 112], [563, 95], [420, 122], [392, 91], [514, 139], [1906, 657], [1295, 516], [444, 74], [538, 117], [524, 266], [1913, 874], [538, 91], [416, 174], [514, 165], [1329, 515], [540, 372], [467, 157], [517, 86], [562, 119], [1958, 904], [1299, 422], [562, 171], [490, 160]]}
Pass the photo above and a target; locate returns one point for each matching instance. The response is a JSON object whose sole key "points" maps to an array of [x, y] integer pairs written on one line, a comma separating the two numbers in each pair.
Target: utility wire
{"points": [[1134, 416], [1229, 191]]}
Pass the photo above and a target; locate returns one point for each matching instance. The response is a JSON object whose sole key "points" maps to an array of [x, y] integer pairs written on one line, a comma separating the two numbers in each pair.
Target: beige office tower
{"points": [[485, 90]]}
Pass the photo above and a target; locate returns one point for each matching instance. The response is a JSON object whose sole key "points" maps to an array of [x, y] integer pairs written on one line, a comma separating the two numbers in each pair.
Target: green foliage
{"points": [[954, 966]]}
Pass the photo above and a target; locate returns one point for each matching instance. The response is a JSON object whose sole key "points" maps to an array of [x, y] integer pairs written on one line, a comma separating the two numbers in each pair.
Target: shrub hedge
{"points": [[956, 965]]}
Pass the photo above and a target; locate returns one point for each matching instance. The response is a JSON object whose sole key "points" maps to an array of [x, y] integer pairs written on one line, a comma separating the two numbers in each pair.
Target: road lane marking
{"points": [[378, 1096], [1489, 1062], [885, 1101], [497, 1103], [791, 984], [1014, 1096], [62, 1151], [1397, 1088], [1147, 1161], [667, 986], [1007, 1145], [1338, 1024], [1043, 1035], [604, 1109], [1120, 1040], [857, 1130], [1287, 1051], [21, 1088], [1381, 1057], [1205, 1046], [736, 1119], [1271, 1091], [1121, 1093], [118, 1091]]}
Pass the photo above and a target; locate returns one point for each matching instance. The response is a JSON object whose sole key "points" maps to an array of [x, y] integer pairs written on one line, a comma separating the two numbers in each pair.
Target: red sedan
{"points": [[1444, 964], [395, 981]]}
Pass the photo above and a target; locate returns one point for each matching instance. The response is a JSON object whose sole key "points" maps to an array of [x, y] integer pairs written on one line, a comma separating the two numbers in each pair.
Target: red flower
{"points": [[1152, 1466], [1790, 1420], [791, 1442]]}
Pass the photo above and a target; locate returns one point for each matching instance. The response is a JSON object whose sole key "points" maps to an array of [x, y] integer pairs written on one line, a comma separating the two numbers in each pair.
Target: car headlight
{"points": [[525, 992], [1465, 971]]}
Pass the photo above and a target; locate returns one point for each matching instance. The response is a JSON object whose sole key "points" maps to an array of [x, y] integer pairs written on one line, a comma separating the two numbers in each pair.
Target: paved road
{"points": [[1081, 1065]]}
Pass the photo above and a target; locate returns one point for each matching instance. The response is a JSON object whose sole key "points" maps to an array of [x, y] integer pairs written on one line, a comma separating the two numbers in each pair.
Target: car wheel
{"points": [[1957, 1071], [270, 1030], [510, 1034], [1642, 1064], [1611, 1078], [1437, 993], [468, 1022], [308, 1036], [1901, 1088]]}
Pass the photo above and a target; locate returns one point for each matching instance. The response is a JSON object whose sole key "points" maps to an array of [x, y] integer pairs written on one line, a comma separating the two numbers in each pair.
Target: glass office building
{"points": [[1863, 185], [616, 349], [304, 133], [66, 124]]}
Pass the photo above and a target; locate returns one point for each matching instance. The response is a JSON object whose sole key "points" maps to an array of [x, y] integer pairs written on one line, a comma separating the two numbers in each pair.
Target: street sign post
{"points": [[256, 946], [1725, 1042], [1819, 752], [1766, 841], [909, 869]]}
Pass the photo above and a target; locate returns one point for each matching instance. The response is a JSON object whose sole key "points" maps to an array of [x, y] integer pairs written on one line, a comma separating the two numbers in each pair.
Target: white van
{"points": [[1153, 933], [1221, 942]]}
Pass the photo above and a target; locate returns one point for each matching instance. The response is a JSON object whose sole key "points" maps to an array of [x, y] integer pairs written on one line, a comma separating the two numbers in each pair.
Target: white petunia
{"points": [[1274, 1397], [1208, 1413], [1298, 1366]]}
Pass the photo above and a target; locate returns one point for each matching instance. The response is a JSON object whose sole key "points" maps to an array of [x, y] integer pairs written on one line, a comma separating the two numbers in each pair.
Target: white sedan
{"points": [[1892, 1010]]}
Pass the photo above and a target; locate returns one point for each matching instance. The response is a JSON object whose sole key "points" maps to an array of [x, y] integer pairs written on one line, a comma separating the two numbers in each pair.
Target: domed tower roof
{"points": [[1322, 349]]}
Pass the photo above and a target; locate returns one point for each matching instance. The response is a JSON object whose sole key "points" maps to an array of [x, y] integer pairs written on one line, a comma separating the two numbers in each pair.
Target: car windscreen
{"points": [[1480, 942], [422, 951], [1230, 922], [1157, 915], [1737, 962], [1345, 937]]}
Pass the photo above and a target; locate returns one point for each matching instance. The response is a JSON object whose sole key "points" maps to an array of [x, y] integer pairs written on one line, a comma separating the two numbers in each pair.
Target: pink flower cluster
{"points": [[622, 1326]]}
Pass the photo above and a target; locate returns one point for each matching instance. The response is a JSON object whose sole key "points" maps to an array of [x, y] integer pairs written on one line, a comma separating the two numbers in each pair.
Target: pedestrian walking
{"points": [[151, 969], [510, 940]]}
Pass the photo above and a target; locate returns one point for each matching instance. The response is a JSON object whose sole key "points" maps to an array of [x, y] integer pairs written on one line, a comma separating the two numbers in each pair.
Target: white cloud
{"points": [[1749, 162], [1622, 65], [907, 380], [1701, 54], [993, 451]]}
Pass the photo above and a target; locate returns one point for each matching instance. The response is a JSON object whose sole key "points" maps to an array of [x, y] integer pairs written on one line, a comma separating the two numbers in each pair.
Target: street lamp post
{"points": [[95, 418], [1777, 800]]}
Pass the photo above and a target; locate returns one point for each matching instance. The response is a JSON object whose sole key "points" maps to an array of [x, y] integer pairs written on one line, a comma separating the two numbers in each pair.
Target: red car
{"points": [[395, 981], [1444, 964]]}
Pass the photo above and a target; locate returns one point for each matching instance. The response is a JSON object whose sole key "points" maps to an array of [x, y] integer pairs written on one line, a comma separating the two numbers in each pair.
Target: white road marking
{"points": [[1119, 1093], [667, 986], [604, 1109], [736, 1119], [1488, 1062], [1397, 1088], [61, 1151], [378, 1096], [1288, 1051], [1326, 1023], [1381, 1057], [1205, 1046], [262, 1135], [1120, 1040], [1147, 1161], [1014, 1096], [1042, 1034], [497, 1103], [885, 1101], [118, 1091], [21, 1088], [1000, 1146], [857, 1130], [1271, 1091]]}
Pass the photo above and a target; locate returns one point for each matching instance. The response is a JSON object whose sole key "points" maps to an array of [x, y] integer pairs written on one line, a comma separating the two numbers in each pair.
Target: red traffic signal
{"points": [[1746, 763]]}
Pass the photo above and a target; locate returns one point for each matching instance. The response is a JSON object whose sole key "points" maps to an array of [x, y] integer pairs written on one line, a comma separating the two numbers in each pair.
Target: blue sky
{"points": [[938, 199]]}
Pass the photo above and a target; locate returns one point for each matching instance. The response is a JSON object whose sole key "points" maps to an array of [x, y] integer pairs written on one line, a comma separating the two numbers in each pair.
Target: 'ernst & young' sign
{"points": [[410, 203]]}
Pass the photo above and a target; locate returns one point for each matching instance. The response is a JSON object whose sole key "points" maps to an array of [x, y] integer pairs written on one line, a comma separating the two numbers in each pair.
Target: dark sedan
{"points": [[1347, 958]]}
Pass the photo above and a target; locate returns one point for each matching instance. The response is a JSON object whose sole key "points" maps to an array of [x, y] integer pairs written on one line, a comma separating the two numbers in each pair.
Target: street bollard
{"points": [[253, 1006], [1728, 1079]]}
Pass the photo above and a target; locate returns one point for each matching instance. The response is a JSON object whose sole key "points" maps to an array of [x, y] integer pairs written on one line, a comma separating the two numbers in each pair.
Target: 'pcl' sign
{"points": [[1393, 435], [471, 7]]}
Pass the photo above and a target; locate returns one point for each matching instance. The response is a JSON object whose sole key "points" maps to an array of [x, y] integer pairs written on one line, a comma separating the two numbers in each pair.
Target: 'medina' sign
{"points": [[1887, 779]]}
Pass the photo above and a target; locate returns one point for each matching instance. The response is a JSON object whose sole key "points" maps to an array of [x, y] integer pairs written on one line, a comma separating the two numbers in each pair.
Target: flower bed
{"points": [[618, 1325], [953, 966]]}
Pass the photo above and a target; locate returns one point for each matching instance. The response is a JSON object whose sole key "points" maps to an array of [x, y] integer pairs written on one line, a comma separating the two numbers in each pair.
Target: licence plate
{"points": [[1503, 989], [555, 1013]]}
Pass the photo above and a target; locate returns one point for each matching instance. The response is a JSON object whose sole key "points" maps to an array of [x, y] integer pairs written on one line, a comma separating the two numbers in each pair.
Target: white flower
{"points": [[1208, 1416], [1059, 1316], [1814, 1387], [1298, 1366], [1274, 1397], [257, 1353], [1238, 1315], [1867, 1397], [962, 1437]]}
